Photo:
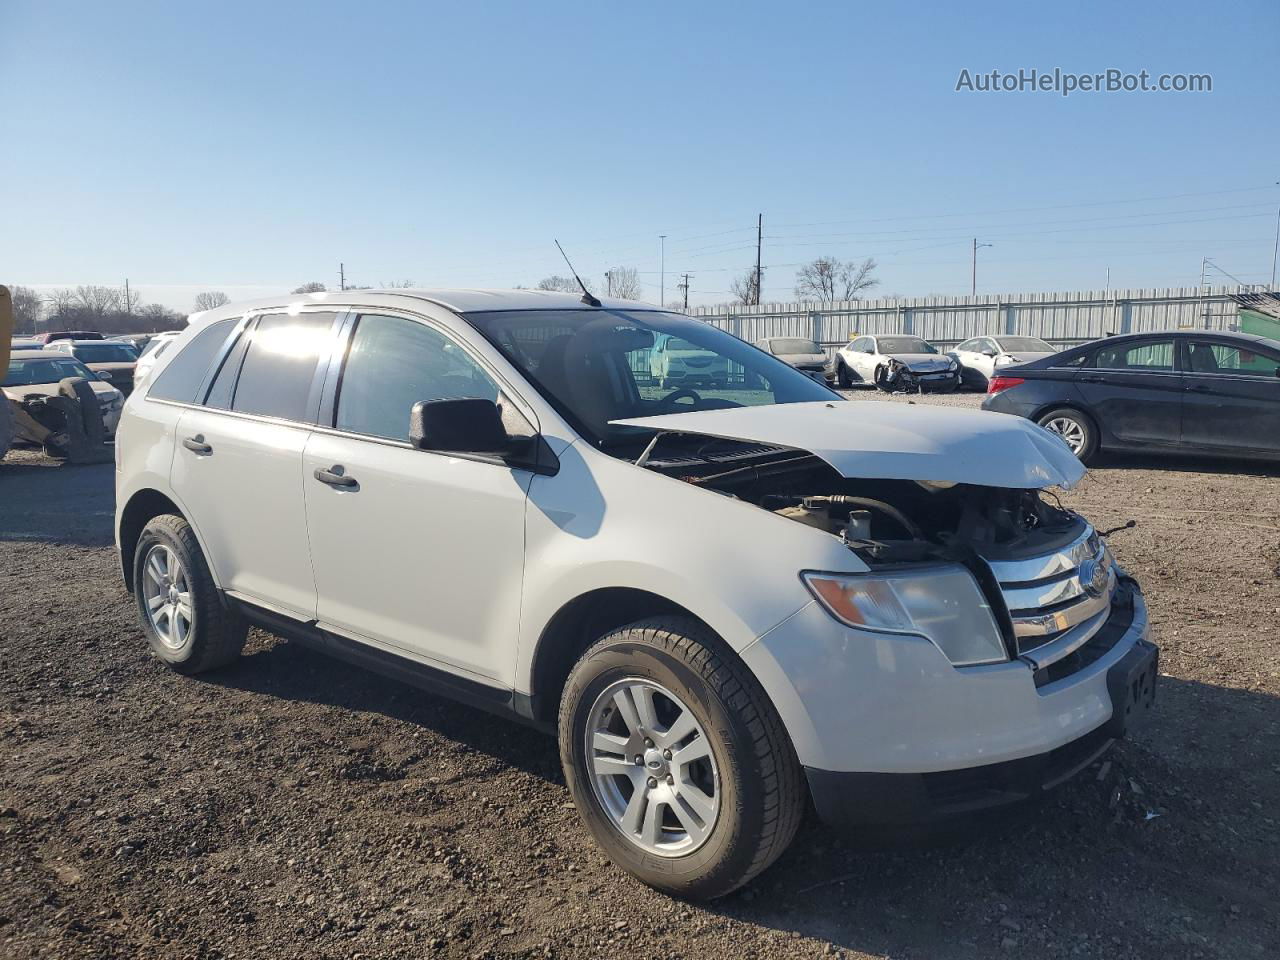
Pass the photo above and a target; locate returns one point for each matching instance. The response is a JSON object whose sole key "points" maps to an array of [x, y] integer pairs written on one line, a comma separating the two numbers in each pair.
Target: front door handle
{"points": [[1092, 380], [196, 444], [1199, 388], [335, 476]]}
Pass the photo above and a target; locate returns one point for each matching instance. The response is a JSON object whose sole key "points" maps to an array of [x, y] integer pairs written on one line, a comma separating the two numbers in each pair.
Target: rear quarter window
{"points": [[181, 379]]}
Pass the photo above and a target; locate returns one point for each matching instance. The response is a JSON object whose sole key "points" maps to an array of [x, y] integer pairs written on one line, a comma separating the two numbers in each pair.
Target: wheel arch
{"points": [[1074, 406], [142, 506], [578, 624]]}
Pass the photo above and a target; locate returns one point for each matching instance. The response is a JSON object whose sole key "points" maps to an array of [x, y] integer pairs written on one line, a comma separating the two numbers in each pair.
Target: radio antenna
{"points": [[587, 296]]}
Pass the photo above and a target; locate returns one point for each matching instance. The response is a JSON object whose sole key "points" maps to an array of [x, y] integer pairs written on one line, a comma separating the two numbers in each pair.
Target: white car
{"points": [[675, 360], [979, 357], [872, 360], [34, 373], [723, 606]]}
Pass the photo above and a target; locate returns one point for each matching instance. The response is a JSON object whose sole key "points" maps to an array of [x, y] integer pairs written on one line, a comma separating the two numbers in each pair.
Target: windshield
{"points": [[105, 353], [595, 366], [24, 373], [892, 345], [788, 345], [1025, 344]]}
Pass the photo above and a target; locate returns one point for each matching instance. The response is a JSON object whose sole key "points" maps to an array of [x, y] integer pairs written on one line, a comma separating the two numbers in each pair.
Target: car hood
{"points": [[895, 441], [794, 358], [923, 361]]}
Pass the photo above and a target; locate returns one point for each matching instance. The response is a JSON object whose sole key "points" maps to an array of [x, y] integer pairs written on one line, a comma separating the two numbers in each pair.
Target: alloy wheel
{"points": [[652, 767], [1069, 430], [167, 595]]}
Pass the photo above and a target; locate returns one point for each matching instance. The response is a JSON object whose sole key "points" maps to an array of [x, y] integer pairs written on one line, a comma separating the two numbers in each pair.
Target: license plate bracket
{"points": [[1132, 686]]}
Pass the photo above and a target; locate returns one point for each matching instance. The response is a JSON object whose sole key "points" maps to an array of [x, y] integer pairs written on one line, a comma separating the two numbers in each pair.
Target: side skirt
{"points": [[500, 701]]}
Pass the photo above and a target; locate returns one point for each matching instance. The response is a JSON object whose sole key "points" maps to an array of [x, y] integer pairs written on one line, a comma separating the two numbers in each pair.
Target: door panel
{"points": [[1231, 398], [425, 553], [1134, 391], [244, 495]]}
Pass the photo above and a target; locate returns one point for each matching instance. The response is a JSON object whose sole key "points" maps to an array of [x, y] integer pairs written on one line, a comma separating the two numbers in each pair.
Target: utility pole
{"points": [[1275, 250], [342, 276], [685, 287], [973, 283], [128, 306], [662, 269], [759, 239], [608, 281]]}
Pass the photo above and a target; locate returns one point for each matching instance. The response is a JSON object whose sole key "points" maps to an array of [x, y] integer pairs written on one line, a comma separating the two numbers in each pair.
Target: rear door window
{"points": [[280, 364], [181, 379], [1149, 356]]}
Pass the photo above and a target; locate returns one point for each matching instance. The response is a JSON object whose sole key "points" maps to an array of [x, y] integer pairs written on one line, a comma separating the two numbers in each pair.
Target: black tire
{"points": [[216, 635], [842, 375], [761, 786], [1089, 430]]}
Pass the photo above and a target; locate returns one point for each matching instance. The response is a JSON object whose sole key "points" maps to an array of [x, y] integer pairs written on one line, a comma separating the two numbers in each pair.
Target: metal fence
{"points": [[1063, 319]]}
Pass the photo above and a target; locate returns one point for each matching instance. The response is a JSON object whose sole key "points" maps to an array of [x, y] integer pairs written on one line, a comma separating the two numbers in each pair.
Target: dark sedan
{"points": [[1184, 391]]}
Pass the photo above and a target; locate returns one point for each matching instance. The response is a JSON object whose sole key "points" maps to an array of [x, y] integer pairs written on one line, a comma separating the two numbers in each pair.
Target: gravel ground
{"points": [[293, 806]]}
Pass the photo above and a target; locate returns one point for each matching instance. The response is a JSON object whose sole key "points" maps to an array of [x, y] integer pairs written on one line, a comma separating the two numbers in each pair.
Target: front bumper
{"points": [[890, 732]]}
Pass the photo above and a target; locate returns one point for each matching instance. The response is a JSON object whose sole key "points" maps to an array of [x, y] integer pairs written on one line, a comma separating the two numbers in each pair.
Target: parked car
{"points": [[1182, 391], [876, 359], [981, 357], [138, 341], [805, 355], [724, 606], [69, 335], [38, 372], [676, 360], [116, 360], [151, 353]]}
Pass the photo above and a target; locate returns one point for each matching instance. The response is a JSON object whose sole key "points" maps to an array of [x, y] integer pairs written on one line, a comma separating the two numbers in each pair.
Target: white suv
{"points": [[726, 600]]}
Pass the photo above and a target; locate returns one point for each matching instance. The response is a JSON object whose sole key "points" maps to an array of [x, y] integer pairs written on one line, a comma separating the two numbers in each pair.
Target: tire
{"points": [[6, 425], [1070, 424], [214, 635], [757, 786], [842, 376]]}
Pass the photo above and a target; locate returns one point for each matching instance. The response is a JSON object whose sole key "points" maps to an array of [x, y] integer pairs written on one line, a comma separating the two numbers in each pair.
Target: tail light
{"points": [[1004, 383]]}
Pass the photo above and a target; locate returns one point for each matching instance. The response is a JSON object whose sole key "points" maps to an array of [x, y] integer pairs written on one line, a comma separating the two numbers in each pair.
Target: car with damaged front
{"points": [[724, 600]]}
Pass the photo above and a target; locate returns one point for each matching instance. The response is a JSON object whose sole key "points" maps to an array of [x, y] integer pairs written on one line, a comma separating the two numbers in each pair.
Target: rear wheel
{"points": [[184, 619], [677, 761], [1075, 428]]}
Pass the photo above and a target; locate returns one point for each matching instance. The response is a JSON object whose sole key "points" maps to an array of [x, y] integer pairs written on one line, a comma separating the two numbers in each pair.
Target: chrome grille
{"points": [[1057, 601]]}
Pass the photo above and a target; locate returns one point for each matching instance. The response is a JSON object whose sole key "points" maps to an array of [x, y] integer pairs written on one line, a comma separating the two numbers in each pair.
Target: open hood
{"points": [[895, 441]]}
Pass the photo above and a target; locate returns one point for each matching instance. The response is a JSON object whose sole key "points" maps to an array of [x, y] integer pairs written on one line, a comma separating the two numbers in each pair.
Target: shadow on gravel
{"points": [[289, 671], [57, 503]]}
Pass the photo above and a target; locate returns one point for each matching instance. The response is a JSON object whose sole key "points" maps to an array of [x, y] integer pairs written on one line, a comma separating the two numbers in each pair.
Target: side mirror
{"points": [[458, 426], [104, 375], [988, 352]]}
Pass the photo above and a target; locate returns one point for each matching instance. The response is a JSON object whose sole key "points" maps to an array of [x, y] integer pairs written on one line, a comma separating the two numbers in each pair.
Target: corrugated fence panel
{"points": [[1060, 318]]}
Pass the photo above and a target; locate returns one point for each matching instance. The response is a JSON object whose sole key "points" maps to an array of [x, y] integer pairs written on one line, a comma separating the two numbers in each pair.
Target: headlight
{"points": [[941, 603]]}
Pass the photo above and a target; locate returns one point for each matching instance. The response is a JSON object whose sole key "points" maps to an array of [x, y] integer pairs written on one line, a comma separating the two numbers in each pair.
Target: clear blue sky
{"points": [[251, 146]]}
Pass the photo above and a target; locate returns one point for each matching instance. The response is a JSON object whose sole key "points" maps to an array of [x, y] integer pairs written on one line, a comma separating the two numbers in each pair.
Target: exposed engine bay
{"points": [[893, 521]]}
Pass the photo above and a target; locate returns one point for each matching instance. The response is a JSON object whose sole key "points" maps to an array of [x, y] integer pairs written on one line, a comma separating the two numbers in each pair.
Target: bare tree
{"points": [[312, 287], [745, 287], [399, 285], [827, 279], [210, 300], [157, 317], [623, 282], [28, 308], [559, 284]]}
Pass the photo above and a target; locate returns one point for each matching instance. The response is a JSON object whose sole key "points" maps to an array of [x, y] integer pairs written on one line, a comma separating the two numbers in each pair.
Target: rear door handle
{"points": [[335, 476], [196, 444], [1092, 380], [1200, 388]]}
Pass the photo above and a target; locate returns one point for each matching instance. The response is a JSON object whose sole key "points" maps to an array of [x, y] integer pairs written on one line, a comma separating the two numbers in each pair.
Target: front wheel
{"points": [[842, 376], [1075, 428], [677, 761]]}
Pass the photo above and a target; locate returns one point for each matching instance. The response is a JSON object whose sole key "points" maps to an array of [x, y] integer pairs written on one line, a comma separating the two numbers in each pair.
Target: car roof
{"points": [[457, 300], [1148, 334], [86, 343], [32, 355]]}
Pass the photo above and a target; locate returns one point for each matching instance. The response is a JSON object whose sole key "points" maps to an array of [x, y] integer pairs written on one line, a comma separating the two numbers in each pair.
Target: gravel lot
{"points": [[293, 806]]}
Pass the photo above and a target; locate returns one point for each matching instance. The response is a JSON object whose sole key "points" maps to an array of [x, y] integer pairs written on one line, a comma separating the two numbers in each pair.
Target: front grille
{"points": [[1058, 600]]}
